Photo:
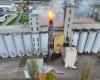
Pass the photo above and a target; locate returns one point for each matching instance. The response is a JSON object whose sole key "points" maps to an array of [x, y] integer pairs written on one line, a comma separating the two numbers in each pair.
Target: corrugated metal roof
{"points": [[84, 21], [60, 22]]}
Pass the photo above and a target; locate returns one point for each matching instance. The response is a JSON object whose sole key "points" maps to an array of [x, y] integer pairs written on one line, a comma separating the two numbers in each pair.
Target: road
{"points": [[9, 19]]}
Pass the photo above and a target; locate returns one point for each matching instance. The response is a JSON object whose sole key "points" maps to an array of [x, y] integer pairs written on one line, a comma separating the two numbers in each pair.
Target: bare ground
{"points": [[13, 68]]}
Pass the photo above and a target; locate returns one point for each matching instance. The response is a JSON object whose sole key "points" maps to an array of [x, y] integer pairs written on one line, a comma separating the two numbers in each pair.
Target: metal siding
{"points": [[90, 41], [10, 45], [75, 38], [3, 49], [19, 44], [96, 45], [28, 44], [82, 41], [44, 43]]}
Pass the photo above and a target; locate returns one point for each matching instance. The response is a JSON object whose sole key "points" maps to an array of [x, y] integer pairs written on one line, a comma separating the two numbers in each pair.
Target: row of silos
{"points": [[20, 44], [86, 41]]}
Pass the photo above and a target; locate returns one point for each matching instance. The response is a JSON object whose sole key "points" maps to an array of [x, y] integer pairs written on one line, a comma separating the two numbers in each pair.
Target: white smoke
{"points": [[84, 7]]}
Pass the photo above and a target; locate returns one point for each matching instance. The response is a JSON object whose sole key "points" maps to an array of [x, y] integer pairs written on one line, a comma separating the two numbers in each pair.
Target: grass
{"points": [[1, 23], [12, 22], [97, 20], [23, 20]]}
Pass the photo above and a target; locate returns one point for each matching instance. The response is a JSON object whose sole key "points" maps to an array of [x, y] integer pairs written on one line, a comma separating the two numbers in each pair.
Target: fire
{"points": [[50, 15]]}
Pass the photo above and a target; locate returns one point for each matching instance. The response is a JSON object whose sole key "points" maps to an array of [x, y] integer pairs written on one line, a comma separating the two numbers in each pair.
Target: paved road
{"points": [[10, 19]]}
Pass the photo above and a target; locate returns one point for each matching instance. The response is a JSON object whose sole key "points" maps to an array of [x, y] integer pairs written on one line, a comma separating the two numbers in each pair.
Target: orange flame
{"points": [[50, 15]]}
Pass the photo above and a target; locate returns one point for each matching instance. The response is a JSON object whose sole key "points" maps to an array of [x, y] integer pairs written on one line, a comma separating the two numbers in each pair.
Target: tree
{"points": [[86, 73], [33, 69]]}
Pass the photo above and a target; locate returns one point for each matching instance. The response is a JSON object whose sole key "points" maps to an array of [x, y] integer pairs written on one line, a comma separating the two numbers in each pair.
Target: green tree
{"points": [[86, 73], [33, 69], [50, 76]]}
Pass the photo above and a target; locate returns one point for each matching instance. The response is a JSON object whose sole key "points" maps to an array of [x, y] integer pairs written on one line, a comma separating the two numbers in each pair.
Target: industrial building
{"points": [[23, 40], [6, 8], [32, 38]]}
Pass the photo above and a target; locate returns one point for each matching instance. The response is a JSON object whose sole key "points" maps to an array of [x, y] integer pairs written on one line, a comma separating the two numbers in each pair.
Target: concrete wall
{"points": [[21, 44]]}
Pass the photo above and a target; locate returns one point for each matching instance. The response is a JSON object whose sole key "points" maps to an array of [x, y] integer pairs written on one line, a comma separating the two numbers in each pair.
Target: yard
{"points": [[23, 20], [13, 68], [1, 23]]}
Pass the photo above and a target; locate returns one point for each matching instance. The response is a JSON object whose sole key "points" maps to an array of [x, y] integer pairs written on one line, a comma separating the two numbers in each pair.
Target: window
{"points": [[70, 12], [38, 49], [38, 44], [67, 33], [37, 39], [34, 44], [36, 23], [33, 40], [31, 23], [68, 25], [37, 28], [69, 18], [30, 18], [36, 18], [32, 28]]}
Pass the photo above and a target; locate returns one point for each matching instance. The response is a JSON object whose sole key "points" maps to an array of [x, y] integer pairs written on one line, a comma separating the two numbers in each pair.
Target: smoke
{"points": [[57, 6], [84, 7]]}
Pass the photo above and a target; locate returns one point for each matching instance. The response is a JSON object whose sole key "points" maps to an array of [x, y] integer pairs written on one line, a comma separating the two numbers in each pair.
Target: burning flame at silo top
{"points": [[50, 15]]}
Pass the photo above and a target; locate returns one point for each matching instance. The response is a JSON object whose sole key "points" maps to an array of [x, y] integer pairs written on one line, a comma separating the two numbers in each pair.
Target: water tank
{"points": [[90, 41], [19, 44], [3, 48], [10, 45], [75, 37], [96, 45], [28, 44], [82, 41], [44, 43]]}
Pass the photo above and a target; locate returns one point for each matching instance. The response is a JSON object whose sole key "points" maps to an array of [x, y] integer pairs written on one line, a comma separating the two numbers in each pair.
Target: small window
{"points": [[36, 18], [32, 28], [37, 39], [68, 25], [70, 12], [31, 23], [67, 33], [69, 18], [38, 49], [34, 44], [30, 18], [37, 28], [36, 23], [38, 44], [66, 38]]}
